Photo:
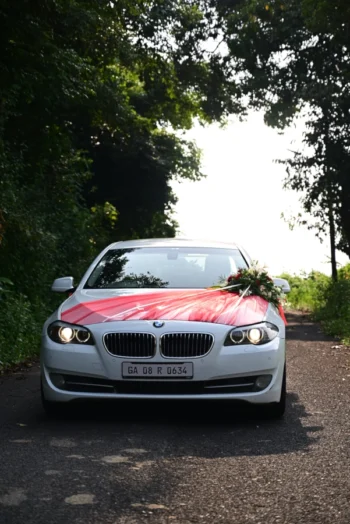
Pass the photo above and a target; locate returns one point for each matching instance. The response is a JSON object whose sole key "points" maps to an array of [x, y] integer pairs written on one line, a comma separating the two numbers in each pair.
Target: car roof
{"points": [[173, 242]]}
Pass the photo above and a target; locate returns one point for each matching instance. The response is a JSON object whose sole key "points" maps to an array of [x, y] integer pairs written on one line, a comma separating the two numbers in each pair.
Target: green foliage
{"points": [[294, 57], [306, 290], [321, 15], [335, 311], [328, 301], [344, 272], [20, 330], [93, 96], [5, 286]]}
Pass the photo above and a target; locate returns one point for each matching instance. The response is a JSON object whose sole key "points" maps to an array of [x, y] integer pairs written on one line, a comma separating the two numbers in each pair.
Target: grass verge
{"points": [[328, 301]]}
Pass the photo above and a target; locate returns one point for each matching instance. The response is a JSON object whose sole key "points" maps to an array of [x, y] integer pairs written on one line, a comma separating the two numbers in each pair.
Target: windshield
{"points": [[156, 267]]}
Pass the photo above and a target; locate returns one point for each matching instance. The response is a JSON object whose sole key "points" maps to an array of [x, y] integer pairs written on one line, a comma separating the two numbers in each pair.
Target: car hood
{"points": [[215, 306]]}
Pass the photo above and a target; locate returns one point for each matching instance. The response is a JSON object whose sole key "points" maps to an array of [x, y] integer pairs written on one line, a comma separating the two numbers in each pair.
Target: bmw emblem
{"points": [[158, 324]]}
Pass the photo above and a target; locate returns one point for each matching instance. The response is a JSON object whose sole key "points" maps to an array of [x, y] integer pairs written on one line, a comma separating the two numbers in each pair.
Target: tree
{"points": [[294, 56], [93, 97], [160, 78]]}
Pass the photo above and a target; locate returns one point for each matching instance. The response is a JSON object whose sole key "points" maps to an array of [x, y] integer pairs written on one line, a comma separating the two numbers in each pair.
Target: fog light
{"points": [[262, 382], [57, 380]]}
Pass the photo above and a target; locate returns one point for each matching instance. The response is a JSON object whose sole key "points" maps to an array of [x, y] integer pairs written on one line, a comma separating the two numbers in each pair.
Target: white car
{"points": [[142, 324]]}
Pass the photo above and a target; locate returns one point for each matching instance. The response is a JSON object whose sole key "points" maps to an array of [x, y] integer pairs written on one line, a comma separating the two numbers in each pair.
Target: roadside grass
{"points": [[327, 301]]}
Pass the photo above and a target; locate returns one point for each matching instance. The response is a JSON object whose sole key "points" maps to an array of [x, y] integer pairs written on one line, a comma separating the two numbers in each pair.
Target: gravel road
{"points": [[184, 463]]}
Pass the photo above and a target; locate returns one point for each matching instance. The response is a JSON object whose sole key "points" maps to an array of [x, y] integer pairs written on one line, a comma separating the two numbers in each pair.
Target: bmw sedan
{"points": [[147, 322]]}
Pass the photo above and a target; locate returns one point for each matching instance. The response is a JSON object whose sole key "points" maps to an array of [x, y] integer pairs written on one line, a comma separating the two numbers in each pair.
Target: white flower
{"points": [[257, 268]]}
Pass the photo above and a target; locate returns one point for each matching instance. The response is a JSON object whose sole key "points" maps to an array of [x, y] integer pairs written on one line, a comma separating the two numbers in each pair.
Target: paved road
{"points": [[174, 464]]}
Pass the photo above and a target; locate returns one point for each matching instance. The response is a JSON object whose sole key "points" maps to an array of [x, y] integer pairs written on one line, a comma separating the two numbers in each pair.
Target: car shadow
{"points": [[134, 453], [206, 429]]}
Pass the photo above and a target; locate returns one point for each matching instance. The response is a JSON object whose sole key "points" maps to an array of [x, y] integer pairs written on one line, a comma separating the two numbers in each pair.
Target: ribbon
{"points": [[161, 301], [194, 306]]}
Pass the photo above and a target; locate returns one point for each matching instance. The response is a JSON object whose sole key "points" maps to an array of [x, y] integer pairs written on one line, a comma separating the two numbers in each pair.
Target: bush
{"points": [[328, 301], [20, 325], [20, 330], [335, 311], [307, 292]]}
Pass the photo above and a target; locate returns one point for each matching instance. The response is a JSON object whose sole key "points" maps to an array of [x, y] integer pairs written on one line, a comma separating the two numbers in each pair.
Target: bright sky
{"points": [[242, 198]]}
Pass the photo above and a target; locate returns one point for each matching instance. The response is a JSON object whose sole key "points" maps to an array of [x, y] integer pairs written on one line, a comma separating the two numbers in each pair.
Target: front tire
{"points": [[276, 410]]}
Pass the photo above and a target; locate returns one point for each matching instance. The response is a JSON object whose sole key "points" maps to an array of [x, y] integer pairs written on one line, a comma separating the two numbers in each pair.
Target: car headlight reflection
{"points": [[256, 335], [63, 333]]}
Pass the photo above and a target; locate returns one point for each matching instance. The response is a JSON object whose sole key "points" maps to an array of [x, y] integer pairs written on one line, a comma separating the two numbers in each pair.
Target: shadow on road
{"points": [[173, 445], [130, 454], [189, 428]]}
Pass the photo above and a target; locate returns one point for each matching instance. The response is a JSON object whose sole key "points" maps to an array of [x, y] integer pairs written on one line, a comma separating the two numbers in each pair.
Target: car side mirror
{"points": [[282, 283], [62, 285]]}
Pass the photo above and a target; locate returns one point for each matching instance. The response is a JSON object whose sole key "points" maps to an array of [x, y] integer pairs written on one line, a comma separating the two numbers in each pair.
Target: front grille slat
{"points": [[134, 345], [186, 345]]}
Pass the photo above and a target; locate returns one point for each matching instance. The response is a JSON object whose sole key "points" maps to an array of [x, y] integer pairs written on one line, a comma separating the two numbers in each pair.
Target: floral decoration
{"points": [[254, 281]]}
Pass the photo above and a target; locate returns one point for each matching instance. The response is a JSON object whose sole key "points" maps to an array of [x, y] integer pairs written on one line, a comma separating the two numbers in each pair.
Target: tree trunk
{"points": [[332, 238], [330, 197]]}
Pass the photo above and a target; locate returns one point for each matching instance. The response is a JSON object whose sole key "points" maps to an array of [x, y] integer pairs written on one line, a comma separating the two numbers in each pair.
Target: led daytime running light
{"points": [[82, 336], [237, 337]]}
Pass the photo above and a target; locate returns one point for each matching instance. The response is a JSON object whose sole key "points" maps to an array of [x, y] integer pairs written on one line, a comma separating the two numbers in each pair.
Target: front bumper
{"points": [[100, 374]]}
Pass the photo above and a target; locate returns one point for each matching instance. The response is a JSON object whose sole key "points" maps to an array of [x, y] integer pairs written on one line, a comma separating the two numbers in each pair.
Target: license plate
{"points": [[164, 371]]}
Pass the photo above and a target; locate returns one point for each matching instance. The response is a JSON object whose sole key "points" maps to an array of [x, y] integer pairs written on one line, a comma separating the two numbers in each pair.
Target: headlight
{"points": [[63, 333], [257, 334]]}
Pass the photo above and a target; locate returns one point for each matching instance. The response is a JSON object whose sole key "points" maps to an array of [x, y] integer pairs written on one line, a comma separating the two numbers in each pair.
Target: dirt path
{"points": [[185, 464]]}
